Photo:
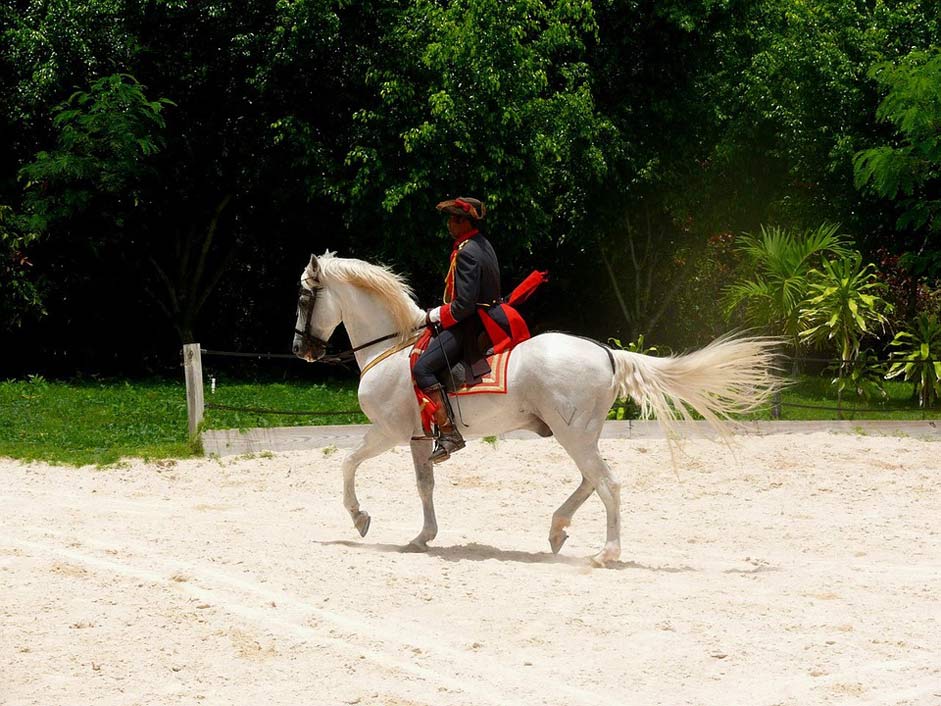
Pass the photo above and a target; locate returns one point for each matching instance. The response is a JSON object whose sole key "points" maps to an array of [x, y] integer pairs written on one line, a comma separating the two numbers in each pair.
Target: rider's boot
{"points": [[448, 439]]}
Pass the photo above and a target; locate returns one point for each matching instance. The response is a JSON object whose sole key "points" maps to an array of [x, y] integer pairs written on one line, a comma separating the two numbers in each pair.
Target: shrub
{"points": [[844, 302], [917, 357], [780, 262]]}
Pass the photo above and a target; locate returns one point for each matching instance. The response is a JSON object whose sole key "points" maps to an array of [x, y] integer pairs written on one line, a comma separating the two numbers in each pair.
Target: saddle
{"points": [[493, 380], [470, 371]]}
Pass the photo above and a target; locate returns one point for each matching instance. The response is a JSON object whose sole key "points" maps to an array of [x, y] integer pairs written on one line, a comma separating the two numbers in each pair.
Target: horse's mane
{"points": [[389, 286]]}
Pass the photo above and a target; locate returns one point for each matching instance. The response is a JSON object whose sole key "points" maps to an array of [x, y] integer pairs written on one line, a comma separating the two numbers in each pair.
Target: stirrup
{"points": [[446, 444]]}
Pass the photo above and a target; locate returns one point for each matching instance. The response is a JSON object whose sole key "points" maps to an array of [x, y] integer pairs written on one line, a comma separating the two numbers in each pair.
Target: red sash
{"points": [[519, 331]]}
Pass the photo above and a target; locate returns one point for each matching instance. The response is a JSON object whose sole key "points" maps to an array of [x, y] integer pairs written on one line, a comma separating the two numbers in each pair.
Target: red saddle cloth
{"points": [[493, 383]]}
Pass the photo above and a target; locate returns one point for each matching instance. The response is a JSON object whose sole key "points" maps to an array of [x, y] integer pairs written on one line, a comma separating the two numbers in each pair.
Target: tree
{"points": [[797, 104], [299, 125], [910, 169], [104, 137], [482, 97], [217, 187], [661, 74]]}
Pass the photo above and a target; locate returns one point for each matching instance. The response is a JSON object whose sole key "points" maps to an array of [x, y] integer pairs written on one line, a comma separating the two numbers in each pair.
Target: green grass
{"points": [[816, 391], [101, 422], [92, 422], [78, 423], [300, 397]]}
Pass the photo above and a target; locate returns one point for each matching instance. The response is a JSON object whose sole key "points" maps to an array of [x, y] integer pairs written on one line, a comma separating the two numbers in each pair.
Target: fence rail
{"points": [[300, 413], [240, 354], [196, 404]]}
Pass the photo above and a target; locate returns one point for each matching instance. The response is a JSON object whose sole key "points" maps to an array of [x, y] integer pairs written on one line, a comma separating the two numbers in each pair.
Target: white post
{"points": [[193, 368]]}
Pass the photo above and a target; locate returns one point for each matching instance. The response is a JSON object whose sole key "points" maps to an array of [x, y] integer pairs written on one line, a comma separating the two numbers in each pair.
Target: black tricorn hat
{"points": [[464, 206]]}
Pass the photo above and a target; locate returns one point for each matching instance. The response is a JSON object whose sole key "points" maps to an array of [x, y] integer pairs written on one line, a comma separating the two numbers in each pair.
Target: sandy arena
{"points": [[800, 569]]}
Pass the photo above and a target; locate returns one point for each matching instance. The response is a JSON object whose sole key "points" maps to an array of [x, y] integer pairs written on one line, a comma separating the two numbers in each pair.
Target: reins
{"points": [[346, 356], [392, 351]]}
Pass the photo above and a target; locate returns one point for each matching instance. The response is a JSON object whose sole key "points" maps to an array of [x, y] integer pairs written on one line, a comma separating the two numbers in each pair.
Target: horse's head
{"points": [[318, 314]]}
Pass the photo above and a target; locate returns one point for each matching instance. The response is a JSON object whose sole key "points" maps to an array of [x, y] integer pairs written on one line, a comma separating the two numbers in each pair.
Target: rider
{"points": [[473, 281]]}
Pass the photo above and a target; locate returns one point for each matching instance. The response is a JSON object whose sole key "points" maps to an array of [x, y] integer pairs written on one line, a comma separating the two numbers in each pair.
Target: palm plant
{"points": [[917, 356], [842, 306], [865, 376], [780, 262]]}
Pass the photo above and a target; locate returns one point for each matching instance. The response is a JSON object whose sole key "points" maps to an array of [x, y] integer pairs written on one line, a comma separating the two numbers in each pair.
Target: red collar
{"points": [[466, 236]]}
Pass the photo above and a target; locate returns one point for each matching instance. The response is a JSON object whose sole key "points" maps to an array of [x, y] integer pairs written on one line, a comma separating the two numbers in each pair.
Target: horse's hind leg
{"points": [[374, 443], [425, 477], [596, 472], [562, 517]]}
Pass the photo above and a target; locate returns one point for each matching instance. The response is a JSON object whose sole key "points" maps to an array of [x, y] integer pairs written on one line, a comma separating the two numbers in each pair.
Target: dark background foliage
{"points": [[167, 167]]}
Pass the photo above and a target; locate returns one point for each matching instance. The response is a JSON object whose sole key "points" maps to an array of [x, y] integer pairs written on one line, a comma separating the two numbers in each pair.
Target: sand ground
{"points": [[800, 569]]}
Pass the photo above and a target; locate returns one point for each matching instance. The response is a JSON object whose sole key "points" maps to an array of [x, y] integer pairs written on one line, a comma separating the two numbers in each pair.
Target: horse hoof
{"points": [[362, 523], [416, 547], [557, 541], [608, 554]]}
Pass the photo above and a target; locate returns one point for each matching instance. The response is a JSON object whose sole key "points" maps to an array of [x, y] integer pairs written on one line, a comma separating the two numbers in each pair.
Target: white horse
{"points": [[557, 385]]}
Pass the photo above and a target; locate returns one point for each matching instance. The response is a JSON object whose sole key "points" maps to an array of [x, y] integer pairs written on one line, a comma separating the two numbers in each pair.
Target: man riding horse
{"points": [[471, 319]]}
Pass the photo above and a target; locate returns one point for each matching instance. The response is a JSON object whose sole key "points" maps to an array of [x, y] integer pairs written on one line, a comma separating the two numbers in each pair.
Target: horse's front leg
{"points": [[425, 477], [373, 444]]}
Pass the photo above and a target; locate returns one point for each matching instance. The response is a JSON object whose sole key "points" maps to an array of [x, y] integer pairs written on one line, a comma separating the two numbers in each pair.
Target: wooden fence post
{"points": [[776, 405], [193, 368]]}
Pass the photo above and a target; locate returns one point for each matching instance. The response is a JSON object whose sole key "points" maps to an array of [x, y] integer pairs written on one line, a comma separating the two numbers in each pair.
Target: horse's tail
{"points": [[729, 376]]}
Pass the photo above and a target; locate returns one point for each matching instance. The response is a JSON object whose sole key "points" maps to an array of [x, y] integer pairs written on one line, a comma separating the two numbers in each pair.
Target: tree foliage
{"points": [[103, 139], [20, 297], [486, 98], [910, 169], [613, 140]]}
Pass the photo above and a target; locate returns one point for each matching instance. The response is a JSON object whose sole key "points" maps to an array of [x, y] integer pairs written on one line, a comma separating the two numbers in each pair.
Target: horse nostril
{"points": [[296, 349]]}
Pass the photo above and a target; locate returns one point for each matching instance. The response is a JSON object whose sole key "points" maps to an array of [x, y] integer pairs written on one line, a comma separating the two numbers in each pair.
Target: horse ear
{"points": [[314, 266]]}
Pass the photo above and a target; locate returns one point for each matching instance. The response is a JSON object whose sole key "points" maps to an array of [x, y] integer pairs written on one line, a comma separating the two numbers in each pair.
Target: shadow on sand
{"points": [[486, 552]]}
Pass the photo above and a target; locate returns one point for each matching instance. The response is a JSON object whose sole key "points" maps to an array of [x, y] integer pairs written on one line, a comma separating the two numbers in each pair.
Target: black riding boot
{"points": [[448, 439]]}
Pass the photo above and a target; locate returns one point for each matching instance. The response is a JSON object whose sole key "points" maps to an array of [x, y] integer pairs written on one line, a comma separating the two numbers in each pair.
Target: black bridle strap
{"points": [[305, 333]]}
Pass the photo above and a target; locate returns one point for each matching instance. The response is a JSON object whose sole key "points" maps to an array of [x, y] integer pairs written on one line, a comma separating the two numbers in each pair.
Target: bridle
{"points": [[309, 297]]}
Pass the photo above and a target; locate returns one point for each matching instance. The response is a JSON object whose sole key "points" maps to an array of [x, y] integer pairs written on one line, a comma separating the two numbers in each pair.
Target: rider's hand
{"points": [[433, 317]]}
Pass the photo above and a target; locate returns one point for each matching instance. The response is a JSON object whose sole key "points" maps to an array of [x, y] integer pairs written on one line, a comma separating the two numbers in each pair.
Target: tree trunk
{"points": [[652, 293], [185, 293]]}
